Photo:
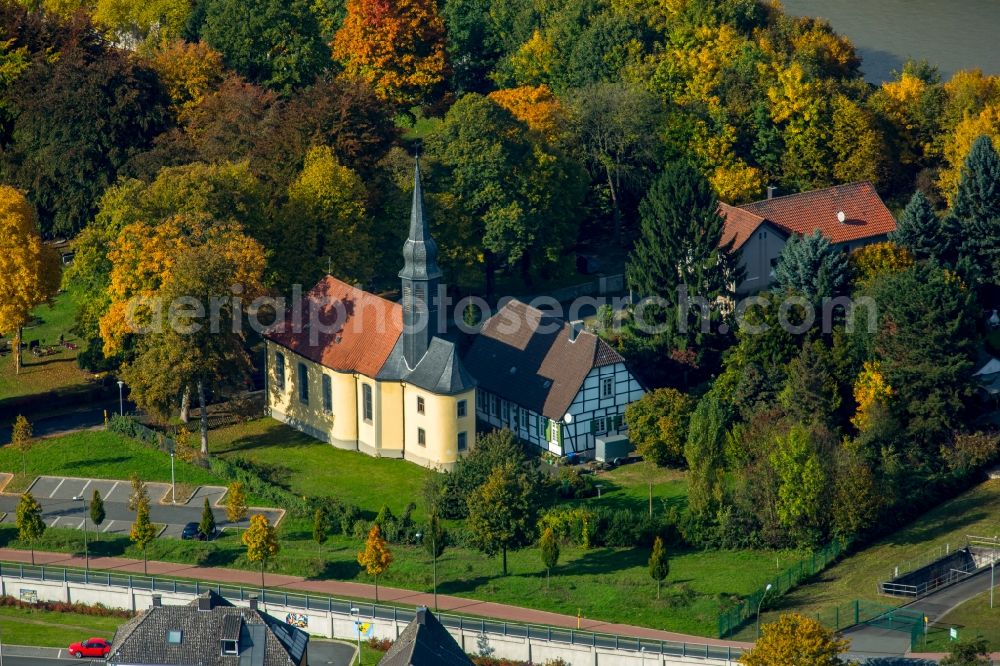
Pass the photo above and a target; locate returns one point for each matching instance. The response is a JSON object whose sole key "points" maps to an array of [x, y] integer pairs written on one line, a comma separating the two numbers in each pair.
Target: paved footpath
{"points": [[352, 590]]}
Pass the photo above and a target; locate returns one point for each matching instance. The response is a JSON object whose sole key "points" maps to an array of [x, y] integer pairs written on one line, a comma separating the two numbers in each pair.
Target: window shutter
{"points": [[618, 422], [593, 427], [559, 432], [548, 430]]}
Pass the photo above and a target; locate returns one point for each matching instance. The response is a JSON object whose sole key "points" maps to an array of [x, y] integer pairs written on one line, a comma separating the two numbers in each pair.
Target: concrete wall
{"points": [[341, 626]]}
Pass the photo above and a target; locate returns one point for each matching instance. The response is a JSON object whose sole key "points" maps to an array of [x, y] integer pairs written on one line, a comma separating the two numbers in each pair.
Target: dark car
{"points": [[92, 647], [191, 531]]}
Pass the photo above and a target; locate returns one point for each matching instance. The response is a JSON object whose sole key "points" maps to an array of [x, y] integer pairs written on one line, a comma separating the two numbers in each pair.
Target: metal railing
{"points": [[953, 575], [375, 611]]}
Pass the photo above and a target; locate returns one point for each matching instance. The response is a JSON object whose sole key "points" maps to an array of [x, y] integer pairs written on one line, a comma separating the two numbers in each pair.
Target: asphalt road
{"points": [[89, 416], [59, 509]]}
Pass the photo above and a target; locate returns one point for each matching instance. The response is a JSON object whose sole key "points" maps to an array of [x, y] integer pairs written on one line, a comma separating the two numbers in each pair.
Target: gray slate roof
{"points": [[440, 371], [425, 642], [263, 640]]}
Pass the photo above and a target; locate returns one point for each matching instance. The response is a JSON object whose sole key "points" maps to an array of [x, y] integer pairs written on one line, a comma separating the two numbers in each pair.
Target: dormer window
{"points": [[230, 648]]}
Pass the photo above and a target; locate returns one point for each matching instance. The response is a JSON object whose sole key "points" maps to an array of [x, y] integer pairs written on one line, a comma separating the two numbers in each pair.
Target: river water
{"points": [[952, 34]]}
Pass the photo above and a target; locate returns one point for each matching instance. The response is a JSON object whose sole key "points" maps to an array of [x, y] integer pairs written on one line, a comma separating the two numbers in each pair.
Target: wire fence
{"points": [[859, 611], [746, 610], [384, 612]]}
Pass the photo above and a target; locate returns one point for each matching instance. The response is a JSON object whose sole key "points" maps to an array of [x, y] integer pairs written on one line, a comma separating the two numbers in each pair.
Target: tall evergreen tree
{"points": [[924, 234], [977, 208], [811, 266], [679, 243], [705, 454]]}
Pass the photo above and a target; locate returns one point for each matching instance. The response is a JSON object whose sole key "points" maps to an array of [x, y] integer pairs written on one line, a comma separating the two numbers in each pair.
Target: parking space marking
{"points": [[53, 493], [110, 523], [55, 520], [84, 489], [112, 491]]}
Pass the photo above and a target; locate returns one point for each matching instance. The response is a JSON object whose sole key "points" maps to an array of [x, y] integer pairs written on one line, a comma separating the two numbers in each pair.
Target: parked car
{"points": [[192, 531], [92, 647]]}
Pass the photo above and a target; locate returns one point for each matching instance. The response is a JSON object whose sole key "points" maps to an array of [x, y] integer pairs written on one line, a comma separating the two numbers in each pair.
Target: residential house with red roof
{"points": [[851, 216]]}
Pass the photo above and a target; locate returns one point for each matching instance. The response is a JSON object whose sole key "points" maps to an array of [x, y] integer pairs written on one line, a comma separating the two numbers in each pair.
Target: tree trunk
{"points": [[616, 213], [186, 405], [650, 498], [505, 560], [658, 583], [204, 418], [547, 573], [262, 581], [376, 587], [144, 569], [32, 547], [17, 350]]}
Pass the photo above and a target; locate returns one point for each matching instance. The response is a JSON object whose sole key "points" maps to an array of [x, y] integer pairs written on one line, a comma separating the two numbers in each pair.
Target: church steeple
{"points": [[419, 277]]}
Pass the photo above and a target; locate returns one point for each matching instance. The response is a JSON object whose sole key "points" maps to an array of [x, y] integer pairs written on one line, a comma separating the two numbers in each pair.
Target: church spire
{"points": [[419, 278]]}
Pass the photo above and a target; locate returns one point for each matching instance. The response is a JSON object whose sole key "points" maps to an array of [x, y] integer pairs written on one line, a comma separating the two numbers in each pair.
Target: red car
{"points": [[93, 647]]}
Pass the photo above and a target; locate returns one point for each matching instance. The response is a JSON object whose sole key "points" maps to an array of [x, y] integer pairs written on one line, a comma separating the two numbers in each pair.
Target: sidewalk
{"points": [[388, 595]]}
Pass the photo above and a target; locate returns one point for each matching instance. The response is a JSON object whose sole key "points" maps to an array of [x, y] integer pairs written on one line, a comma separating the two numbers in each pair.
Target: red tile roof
{"points": [[865, 214], [354, 331]]}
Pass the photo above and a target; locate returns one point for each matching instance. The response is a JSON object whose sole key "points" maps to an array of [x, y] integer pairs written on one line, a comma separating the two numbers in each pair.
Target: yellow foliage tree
{"points": [[871, 392], [188, 71], [878, 259], [375, 557], [536, 107], [135, 23], [261, 541], [795, 640], [397, 46], [959, 143], [534, 61], [29, 269]]}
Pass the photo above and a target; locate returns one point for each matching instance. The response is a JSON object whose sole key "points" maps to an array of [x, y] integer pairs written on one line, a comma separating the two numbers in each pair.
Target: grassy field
{"points": [[309, 467], [51, 372], [22, 626], [976, 512], [101, 455], [973, 619]]}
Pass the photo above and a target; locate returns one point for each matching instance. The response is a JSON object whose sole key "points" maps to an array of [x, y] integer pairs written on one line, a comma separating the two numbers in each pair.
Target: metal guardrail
{"points": [[925, 588], [375, 611]]}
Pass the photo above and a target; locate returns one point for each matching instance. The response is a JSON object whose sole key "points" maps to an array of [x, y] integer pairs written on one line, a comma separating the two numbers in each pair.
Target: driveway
{"points": [[59, 509]]}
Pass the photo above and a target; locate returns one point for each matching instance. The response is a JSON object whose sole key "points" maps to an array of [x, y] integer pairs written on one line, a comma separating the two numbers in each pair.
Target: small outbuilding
{"points": [[612, 447]]}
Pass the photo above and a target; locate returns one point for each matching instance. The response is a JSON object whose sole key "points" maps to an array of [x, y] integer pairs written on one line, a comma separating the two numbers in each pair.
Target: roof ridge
{"points": [[818, 190]]}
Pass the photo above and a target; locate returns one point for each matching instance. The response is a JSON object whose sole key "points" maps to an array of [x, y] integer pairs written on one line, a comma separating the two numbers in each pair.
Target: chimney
{"points": [[421, 615], [575, 328], [205, 601], [841, 216], [253, 602], [157, 601], [770, 191]]}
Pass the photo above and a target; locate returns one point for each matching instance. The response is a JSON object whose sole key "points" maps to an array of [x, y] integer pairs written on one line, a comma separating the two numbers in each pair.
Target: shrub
{"points": [[248, 473], [96, 610]]}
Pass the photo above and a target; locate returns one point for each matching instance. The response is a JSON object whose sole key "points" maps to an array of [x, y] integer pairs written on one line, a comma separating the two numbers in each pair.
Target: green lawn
{"points": [[972, 619], [97, 454], [23, 626], [976, 512], [39, 375], [312, 468]]}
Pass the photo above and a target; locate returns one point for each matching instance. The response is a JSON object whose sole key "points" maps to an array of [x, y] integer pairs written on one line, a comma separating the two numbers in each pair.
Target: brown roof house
{"points": [[850, 216], [551, 382], [209, 632], [425, 642]]}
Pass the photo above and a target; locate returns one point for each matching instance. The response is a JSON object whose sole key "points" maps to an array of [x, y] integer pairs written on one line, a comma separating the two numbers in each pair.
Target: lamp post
{"points": [[121, 401], [434, 564], [766, 590], [173, 482], [86, 549], [356, 614]]}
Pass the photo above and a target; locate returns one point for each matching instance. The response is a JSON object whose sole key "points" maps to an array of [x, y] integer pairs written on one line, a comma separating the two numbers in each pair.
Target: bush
{"points": [[96, 610], [573, 485], [253, 479]]}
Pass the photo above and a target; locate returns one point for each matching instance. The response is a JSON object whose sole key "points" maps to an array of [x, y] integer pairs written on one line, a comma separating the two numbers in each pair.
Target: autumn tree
{"points": [[28, 519], [261, 541], [548, 549], [795, 640], [206, 527], [136, 23], [375, 557], [29, 270], [331, 227], [871, 263], [138, 493], [274, 43], [97, 512], [143, 531], [503, 512], [21, 440], [659, 564], [813, 267], [397, 47], [658, 424], [236, 502], [871, 393], [188, 71], [538, 108]]}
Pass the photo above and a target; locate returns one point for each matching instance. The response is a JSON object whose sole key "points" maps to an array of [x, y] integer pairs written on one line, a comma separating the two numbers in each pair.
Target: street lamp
{"points": [[173, 483], [86, 549], [121, 402], [766, 590], [434, 564], [356, 614]]}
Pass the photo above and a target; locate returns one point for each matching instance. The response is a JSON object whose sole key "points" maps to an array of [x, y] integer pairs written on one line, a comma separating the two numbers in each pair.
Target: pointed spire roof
{"points": [[420, 250]]}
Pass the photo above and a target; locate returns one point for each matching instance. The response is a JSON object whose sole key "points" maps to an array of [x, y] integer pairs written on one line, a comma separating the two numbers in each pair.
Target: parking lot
{"points": [[59, 509]]}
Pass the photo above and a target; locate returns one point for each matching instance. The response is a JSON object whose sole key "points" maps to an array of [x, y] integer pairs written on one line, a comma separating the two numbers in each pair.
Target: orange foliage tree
{"points": [[376, 557], [397, 46], [536, 107], [188, 71], [871, 392]]}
